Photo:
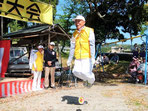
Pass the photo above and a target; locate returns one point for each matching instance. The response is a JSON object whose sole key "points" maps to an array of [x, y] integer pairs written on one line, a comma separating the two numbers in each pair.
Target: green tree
{"points": [[70, 9], [65, 19], [14, 26], [106, 16], [144, 26]]}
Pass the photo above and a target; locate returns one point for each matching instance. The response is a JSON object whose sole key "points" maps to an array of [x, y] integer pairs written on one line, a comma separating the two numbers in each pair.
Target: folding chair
{"points": [[71, 78], [67, 75]]}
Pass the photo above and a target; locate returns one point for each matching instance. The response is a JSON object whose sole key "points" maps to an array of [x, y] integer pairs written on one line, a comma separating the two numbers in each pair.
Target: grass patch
{"points": [[137, 103], [119, 68], [65, 55], [112, 71]]}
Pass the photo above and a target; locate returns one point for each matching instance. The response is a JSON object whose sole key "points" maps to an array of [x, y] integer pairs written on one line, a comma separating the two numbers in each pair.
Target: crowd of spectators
{"points": [[137, 66], [139, 52], [137, 69], [103, 59]]}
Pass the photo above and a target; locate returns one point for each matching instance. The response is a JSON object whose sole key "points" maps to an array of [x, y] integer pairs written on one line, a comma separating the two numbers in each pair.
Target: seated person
{"points": [[135, 50], [142, 51], [133, 68], [115, 59], [141, 68], [99, 60], [105, 59]]}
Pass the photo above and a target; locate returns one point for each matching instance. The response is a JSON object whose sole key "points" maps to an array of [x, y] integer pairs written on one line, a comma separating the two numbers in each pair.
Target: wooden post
{"points": [[48, 39], [59, 51], [41, 39], [1, 37]]}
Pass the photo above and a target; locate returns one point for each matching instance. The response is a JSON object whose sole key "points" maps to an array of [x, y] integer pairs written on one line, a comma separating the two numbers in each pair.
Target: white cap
{"points": [[79, 17], [52, 43], [40, 47]]}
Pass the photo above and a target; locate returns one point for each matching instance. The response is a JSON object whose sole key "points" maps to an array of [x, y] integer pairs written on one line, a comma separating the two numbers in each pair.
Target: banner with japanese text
{"points": [[4, 56], [26, 10]]}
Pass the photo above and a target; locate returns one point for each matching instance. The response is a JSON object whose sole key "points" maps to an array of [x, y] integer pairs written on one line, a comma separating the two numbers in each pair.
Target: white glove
{"points": [[93, 61], [68, 63]]}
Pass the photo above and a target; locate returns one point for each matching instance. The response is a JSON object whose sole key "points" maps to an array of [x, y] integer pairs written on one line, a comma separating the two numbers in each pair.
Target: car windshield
{"points": [[18, 52]]}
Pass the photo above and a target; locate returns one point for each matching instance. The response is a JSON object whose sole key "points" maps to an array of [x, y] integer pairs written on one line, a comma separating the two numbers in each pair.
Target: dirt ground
{"points": [[113, 95]]}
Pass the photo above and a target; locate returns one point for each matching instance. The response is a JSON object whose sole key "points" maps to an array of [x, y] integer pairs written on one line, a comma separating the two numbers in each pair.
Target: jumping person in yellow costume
{"points": [[83, 48]]}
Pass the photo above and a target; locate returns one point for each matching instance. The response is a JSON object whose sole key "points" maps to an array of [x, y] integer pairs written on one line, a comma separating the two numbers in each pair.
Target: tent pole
{"points": [[97, 51], [146, 62]]}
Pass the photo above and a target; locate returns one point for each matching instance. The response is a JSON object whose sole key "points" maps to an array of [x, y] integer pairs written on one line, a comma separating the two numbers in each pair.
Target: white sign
{"points": [[1, 56]]}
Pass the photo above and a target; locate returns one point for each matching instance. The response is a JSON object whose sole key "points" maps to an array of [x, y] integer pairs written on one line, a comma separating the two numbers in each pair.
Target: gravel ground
{"points": [[101, 97]]}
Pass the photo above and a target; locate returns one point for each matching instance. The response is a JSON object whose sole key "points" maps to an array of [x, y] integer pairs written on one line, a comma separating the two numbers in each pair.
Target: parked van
{"points": [[18, 60]]}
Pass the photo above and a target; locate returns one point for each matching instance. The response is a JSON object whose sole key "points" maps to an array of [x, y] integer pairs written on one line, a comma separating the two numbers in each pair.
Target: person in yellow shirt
{"points": [[82, 47], [37, 68]]}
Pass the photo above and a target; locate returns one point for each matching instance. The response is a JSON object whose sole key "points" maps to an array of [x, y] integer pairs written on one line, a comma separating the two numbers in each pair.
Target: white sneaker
{"points": [[87, 84]]}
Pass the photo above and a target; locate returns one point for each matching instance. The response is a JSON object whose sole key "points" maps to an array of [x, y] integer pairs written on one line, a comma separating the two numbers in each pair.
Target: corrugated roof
{"points": [[33, 29], [38, 29]]}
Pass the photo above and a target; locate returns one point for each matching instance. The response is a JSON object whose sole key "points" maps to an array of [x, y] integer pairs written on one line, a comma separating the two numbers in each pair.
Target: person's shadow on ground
{"points": [[71, 100]]}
